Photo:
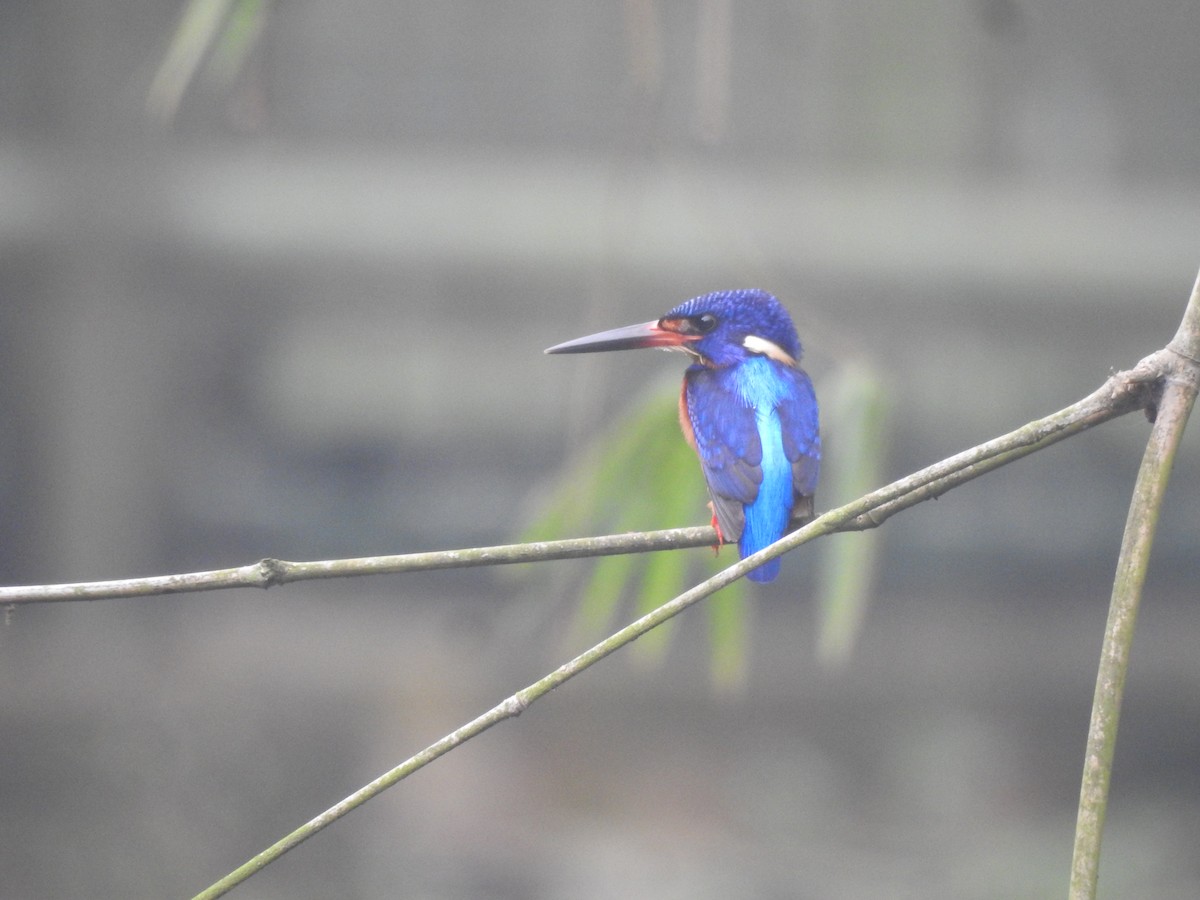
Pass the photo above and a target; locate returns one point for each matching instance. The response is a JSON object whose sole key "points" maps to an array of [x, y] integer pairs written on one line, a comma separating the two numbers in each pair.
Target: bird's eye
{"points": [[705, 322]]}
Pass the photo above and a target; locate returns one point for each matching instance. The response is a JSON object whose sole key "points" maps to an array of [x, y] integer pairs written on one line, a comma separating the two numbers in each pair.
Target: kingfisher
{"points": [[746, 408]]}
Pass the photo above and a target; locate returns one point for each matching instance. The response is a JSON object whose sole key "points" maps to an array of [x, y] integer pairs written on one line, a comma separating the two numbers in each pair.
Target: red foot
{"points": [[720, 536]]}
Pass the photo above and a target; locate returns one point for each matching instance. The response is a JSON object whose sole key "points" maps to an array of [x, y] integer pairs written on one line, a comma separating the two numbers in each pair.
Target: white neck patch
{"points": [[769, 349]]}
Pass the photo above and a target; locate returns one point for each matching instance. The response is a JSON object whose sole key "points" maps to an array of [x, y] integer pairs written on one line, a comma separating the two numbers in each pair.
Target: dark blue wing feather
{"points": [[801, 435], [728, 446], [725, 431]]}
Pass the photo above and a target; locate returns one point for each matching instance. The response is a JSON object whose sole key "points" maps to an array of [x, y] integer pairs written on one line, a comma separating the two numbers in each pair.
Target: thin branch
{"points": [[270, 572], [1120, 394], [509, 708], [1178, 397]]}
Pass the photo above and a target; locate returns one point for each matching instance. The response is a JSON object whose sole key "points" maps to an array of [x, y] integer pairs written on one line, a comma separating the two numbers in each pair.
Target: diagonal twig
{"points": [[1122, 393]]}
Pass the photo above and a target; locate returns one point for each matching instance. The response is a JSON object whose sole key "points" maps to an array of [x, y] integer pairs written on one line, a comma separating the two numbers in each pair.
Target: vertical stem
{"points": [[1178, 396]]}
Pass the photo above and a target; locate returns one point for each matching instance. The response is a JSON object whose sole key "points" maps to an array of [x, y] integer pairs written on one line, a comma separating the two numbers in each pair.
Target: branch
{"points": [[1123, 392], [270, 572], [509, 708], [1178, 397]]}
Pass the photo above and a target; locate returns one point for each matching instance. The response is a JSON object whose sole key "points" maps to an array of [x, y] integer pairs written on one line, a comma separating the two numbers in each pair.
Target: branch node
{"points": [[1176, 348], [274, 571], [514, 706]]}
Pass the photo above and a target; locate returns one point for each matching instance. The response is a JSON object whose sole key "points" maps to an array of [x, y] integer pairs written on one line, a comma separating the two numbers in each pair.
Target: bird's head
{"points": [[718, 329]]}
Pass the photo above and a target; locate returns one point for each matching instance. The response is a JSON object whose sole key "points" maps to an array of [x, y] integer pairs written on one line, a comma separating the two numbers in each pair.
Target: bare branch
{"points": [[1174, 407], [270, 572], [1122, 393]]}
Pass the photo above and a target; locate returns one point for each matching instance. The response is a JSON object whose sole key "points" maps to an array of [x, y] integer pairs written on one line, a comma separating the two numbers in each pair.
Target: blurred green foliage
{"points": [[854, 408], [215, 37], [640, 475]]}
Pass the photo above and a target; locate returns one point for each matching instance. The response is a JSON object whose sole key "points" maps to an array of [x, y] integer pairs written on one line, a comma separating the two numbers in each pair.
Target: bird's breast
{"points": [[758, 383]]}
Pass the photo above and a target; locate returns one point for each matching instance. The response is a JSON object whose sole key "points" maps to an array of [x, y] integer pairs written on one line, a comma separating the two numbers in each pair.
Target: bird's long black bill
{"points": [[631, 337]]}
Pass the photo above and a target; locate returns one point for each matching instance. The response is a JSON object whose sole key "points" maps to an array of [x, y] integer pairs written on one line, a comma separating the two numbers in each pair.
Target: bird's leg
{"points": [[717, 526], [802, 513]]}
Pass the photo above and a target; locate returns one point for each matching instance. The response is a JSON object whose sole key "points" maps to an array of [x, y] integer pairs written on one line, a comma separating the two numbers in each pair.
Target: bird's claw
{"points": [[720, 537]]}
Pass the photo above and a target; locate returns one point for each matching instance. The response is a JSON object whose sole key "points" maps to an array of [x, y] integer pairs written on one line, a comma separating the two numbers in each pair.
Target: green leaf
{"points": [[638, 475], [641, 475], [729, 637], [854, 407]]}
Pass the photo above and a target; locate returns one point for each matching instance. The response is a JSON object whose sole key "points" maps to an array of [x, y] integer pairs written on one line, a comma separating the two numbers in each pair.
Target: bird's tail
{"points": [[766, 572]]}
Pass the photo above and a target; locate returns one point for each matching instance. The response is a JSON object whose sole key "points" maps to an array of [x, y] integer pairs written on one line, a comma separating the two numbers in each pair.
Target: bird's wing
{"points": [[726, 438], [801, 438]]}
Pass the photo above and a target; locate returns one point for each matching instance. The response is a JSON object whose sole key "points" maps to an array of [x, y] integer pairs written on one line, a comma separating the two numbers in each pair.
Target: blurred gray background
{"points": [[302, 316]]}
